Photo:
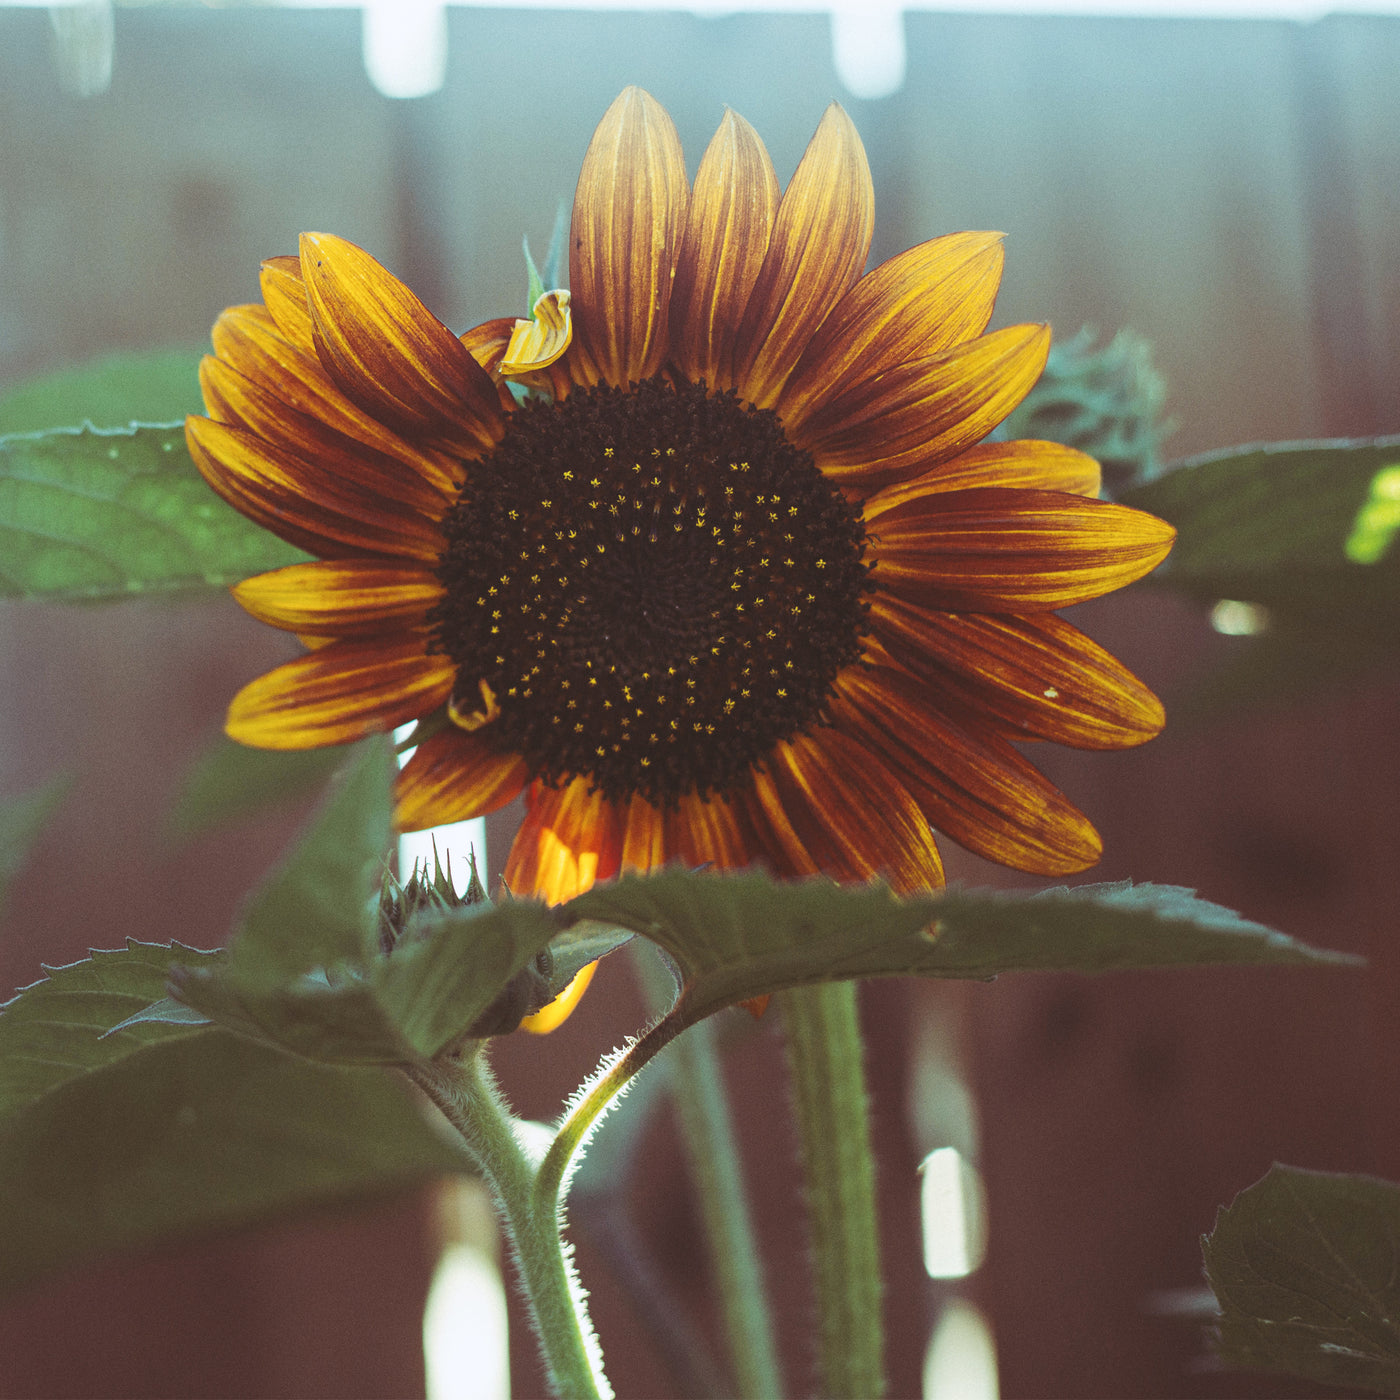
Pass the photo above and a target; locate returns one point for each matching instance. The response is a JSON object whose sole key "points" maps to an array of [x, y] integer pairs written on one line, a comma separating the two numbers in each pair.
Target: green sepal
{"points": [[1303, 1267], [151, 386], [736, 937], [22, 820], [95, 514]]}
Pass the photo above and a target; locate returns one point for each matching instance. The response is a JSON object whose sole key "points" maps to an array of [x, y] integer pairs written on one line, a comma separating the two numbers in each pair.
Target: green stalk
{"points": [[825, 1055], [697, 1084], [466, 1094]]}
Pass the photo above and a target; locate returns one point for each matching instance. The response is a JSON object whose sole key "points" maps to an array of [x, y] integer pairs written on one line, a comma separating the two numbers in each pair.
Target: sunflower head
{"points": [[737, 580]]}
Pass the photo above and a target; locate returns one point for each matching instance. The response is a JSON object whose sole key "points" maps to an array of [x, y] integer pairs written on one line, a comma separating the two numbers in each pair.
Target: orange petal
{"points": [[569, 838], [919, 303], [643, 836], [284, 295], [831, 805], [340, 598], [732, 208], [292, 436], [389, 353], [340, 693], [311, 504], [971, 785], [454, 776], [629, 212], [1042, 677], [1040, 466], [1001, 550], [820, 241], [885, 429], [247, 338], [708, 831]]}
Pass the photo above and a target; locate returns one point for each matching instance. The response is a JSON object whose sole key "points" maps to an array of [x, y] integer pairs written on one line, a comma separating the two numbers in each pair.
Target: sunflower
{"points": [[709, 557]]}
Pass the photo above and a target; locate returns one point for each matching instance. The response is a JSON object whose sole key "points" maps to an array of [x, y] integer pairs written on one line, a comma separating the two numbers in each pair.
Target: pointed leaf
{"points": [[117, 1137], [317, 908], [154, 386], [116, 513], [1306, 1269], [21, 820], [231, 781], [735, 937]]}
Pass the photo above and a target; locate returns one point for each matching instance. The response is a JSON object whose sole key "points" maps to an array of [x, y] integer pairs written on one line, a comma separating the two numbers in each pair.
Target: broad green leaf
{"points": [[53, 1031], [153, 386], [421, 999], [572, 951], [21, 820], [1306, 1269], [230, 781], [161, 1130], [317, 908], [734, 937], [92, 514]]}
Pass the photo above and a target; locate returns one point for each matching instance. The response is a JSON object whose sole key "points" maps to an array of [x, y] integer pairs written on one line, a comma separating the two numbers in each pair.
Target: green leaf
{"points": [[231, 781], [318, 908], [734, 937], [91, 514], [1306, 1269], [53, 1031], [156, 386], [21, 821], [163, 1129], [424, 997]]}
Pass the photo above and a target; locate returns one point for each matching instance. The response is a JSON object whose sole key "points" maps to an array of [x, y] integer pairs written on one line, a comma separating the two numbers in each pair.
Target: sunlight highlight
{"points": [[953, 1211], [961, 1361]]}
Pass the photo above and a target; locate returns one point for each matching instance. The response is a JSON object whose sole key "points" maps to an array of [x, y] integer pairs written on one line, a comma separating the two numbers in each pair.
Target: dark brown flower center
{"points": [[656, 585]]}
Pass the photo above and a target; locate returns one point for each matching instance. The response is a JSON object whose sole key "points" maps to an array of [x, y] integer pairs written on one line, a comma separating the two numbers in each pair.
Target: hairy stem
{"points": [[466, 1094], [832, 1112]]}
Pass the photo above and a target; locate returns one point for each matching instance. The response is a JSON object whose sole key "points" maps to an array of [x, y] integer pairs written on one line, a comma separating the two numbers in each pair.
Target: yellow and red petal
{"points": [[832, 805], [452, 777], [389, 353], [293, 436], [340, 693], [570, 838], [920, 303], [629, 215], [1039, 675], [821, 238], [994, 549], [970, 784], [909, 418], [340, 598], [643, 836], [1023, 464], [732, 208], [309, 504], [284, 295], [247, 338], [708, 831]]}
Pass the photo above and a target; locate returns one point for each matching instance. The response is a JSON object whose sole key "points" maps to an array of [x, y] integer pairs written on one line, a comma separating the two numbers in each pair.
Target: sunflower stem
{"points": [[831, 1107], [465, 1091], [697, 1083]]}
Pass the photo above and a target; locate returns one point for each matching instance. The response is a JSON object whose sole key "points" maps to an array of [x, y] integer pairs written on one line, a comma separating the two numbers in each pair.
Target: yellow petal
{"points": [[340, 598], [284, 294], [732, 209], [1023, 464], [453, 777], [919, 303], [553, 1015], [534, 345], [340, 693], [629, 212], [887, 429], [820, 241], [388, 352]]}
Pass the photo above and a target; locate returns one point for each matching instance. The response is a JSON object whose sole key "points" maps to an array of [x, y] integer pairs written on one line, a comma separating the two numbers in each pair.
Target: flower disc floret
{"points": [[654, 585]]}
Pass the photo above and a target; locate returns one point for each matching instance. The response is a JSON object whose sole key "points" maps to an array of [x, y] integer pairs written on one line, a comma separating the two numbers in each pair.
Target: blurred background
{"points": [[1226, 188]]}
